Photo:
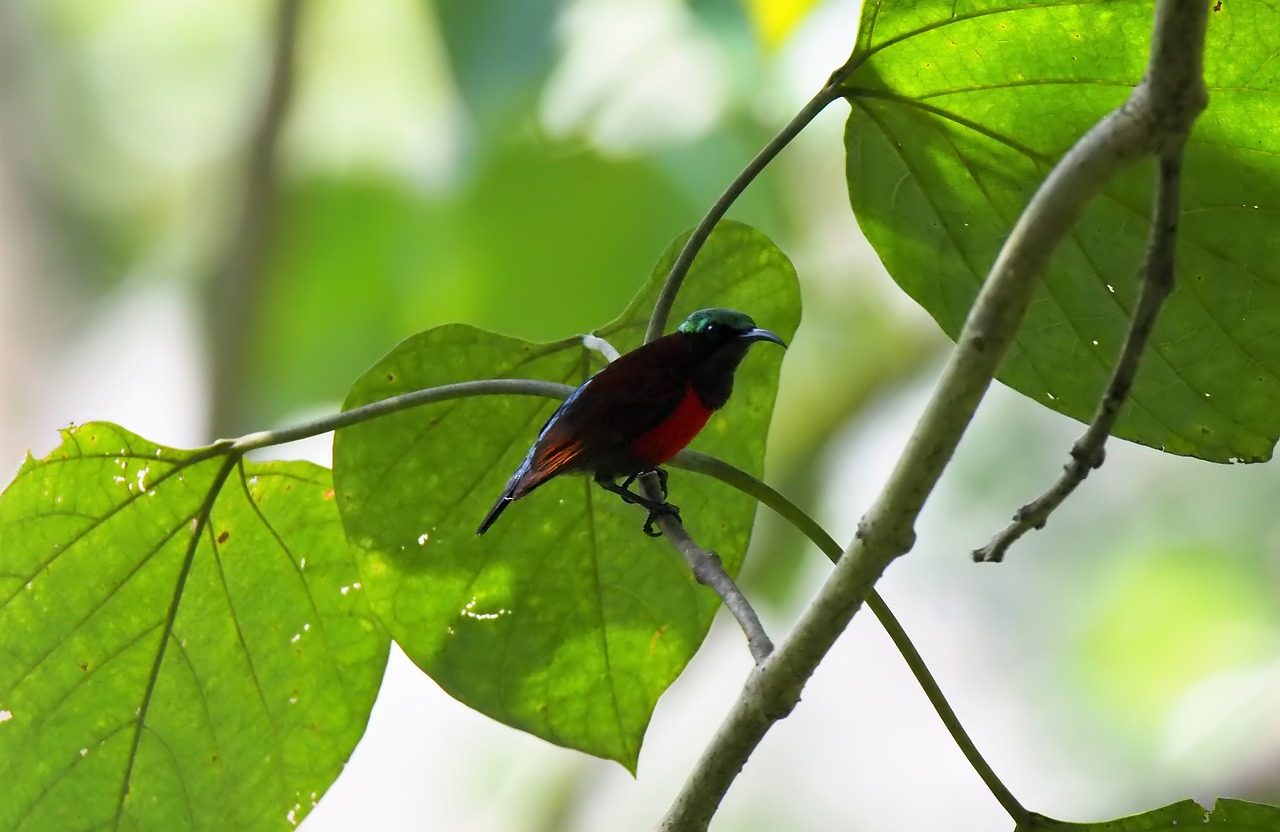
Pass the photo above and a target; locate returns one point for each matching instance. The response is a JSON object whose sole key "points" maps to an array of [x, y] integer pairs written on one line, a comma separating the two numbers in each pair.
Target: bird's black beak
{"points": [[758, 334]]}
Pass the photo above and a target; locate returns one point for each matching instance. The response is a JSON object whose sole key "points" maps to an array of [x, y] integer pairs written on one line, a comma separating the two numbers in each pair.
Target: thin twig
{"points": [[831, 91], [1157, 284], [710, 572], [1162, 106], [239, 275], [736, 478]]}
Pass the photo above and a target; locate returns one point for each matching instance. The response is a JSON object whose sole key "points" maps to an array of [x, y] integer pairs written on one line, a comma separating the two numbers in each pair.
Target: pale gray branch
{"points": [[1161, 108]]}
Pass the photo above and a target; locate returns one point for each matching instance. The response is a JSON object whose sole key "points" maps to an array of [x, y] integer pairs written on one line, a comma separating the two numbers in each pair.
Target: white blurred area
{"points": [[863, 750]]}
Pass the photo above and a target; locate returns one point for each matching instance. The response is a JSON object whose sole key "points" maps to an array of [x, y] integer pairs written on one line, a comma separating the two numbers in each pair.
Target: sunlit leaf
{"points": [[1226, 816], [153, 679], [564, 620], [958, 112]]}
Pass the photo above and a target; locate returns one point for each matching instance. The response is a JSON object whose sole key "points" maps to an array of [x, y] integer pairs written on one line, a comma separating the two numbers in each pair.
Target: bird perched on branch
{"points": [[639, 411]]}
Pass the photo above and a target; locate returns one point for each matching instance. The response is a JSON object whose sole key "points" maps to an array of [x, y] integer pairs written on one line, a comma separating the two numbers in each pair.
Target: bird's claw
{"points": [[658, 511], [660, 473]]}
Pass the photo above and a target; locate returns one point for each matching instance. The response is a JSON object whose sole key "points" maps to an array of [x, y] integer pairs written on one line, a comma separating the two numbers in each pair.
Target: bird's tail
{"points": [[498, 507]]}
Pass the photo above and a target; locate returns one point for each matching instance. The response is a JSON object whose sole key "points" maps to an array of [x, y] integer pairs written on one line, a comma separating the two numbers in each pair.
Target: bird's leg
{"points": [[661, 473], [655, 508]]}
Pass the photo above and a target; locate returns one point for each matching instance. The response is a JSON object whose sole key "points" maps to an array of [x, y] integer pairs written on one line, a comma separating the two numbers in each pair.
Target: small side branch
{"points": [[1157, 284], [710, 572]]}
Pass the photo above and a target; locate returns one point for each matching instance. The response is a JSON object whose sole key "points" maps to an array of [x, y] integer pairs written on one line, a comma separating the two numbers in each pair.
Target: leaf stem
{"points": [[698, 237], [460, 390], [810, 528]]}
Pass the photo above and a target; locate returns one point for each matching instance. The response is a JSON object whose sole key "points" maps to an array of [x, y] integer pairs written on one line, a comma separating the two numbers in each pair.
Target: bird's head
{"points": [[716, 327], [719, 339]]}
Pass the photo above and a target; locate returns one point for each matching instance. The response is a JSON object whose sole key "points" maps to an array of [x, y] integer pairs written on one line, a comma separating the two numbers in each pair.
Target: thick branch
{"points": [[1144, 125], [1157, 283]]}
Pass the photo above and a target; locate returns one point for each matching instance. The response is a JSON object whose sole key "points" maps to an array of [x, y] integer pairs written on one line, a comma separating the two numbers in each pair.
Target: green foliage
{"points": [[1169, 621], [521, 33], [171, 660], [376, 261], [959, 111], [564, 620], [188, 640], [1226, 815]]}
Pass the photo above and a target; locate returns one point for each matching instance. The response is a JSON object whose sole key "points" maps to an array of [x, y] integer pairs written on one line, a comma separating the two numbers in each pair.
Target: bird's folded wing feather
{"points": [[625, 400]]}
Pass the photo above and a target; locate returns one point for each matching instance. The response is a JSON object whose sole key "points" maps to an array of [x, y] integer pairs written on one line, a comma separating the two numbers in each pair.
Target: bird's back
{"points": [[598, 425]]}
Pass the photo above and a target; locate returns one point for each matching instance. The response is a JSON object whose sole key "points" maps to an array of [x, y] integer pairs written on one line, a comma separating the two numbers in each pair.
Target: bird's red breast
{"points": [[669, 437]]}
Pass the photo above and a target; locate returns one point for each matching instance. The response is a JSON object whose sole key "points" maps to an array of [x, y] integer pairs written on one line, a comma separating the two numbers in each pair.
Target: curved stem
{"points": [[680, 268], [736, 478], [460, 390]]}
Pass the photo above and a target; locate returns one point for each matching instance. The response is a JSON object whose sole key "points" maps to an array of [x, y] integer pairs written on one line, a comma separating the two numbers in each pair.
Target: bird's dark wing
{"points": [[617, 405]]}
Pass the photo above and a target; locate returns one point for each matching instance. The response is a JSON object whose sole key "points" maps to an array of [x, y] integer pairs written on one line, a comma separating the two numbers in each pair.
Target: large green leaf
{"points": [[564, 620], [958, 112], [1226, 816], [160, 672]]}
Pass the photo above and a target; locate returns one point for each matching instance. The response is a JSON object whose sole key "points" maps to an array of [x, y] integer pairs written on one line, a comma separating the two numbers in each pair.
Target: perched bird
{"points": [[639, 411]]}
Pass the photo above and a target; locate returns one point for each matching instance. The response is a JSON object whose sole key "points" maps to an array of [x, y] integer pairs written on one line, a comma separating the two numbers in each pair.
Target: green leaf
{"points": [[959, 111], [162, 672], [1226, 816], [564, 620]]}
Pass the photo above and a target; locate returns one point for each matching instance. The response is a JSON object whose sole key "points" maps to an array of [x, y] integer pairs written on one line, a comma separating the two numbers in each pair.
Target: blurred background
{"points": [[214, 215]]}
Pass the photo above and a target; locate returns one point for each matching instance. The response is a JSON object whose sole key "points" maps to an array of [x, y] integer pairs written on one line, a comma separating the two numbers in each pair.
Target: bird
{"points": [[639, 411]]}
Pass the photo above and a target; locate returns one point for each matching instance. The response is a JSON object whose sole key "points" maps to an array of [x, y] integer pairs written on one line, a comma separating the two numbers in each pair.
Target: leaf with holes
{"points": [[163, 671], [564, 620], [958, 112]]}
